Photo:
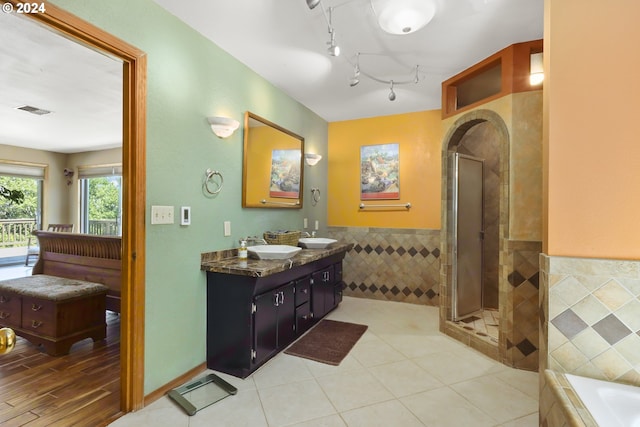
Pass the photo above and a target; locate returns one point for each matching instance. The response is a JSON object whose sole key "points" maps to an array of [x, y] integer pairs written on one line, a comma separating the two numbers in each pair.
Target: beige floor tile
{"points": [[271, 373], [497, 399], [240, 410], [359, 388], [385, 414], [528, 421], [451, 368], [375, 351], [443, 407], [525, 381], [330, 421], [161, 413], [347, 365], [404, 378], [294, 403]]}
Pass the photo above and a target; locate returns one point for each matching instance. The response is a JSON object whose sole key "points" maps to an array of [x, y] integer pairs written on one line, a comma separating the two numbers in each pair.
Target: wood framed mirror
{"points": [[272, 169]]}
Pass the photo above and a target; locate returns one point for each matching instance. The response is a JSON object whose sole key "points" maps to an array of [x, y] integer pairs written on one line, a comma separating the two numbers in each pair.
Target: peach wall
{"points": [[419, 136], [593, 155]]}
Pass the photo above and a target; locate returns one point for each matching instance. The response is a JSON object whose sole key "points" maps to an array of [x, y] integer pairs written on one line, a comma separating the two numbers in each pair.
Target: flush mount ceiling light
{"points": [[403, 16], [223, 126], [423, 8]]}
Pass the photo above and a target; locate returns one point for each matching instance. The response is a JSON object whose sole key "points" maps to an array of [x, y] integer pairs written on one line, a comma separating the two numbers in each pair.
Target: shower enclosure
{"points": [[467, 235]]}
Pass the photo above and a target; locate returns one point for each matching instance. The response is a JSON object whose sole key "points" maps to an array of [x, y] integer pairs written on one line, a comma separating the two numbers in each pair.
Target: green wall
{"points": [[190, 78]]}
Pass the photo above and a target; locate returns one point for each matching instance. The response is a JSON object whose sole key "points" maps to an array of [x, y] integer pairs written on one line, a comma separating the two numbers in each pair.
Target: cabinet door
{"points": [[265, 326], [286, 315], [322, 292]]}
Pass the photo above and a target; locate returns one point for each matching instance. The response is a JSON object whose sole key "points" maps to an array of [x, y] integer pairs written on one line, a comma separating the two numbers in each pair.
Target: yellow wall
{"points": [[419, 137], [591, 129]]}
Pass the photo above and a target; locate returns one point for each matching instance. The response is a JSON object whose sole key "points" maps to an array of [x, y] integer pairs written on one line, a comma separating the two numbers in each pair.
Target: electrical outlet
{"points": [[317, 225], [161, 214], [305, 223], [227, 228]]}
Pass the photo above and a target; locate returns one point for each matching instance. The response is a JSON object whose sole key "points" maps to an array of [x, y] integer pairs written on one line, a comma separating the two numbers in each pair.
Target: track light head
{"points": [[312, 3]]}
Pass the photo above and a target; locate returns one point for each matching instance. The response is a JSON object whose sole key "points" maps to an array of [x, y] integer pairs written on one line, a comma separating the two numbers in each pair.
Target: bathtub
{"points": [[610, 404]]}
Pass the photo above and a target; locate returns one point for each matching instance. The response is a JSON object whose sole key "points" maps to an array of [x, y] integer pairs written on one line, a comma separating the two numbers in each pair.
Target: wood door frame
{"points": [[134, 190]]}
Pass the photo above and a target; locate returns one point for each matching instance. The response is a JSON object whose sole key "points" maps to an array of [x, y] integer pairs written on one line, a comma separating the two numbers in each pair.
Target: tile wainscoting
{"points": [[391, 264], [591, 317]]}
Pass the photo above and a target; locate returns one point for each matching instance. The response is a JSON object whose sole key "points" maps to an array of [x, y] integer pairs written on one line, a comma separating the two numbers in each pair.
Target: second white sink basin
{"points": [[273, 251], [315, 242]]}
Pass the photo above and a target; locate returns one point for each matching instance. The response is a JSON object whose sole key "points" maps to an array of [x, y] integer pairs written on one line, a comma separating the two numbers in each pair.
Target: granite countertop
{"points": [[226, 261]]}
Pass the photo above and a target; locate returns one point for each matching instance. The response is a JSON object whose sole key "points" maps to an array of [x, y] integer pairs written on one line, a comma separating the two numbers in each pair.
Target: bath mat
{"points": [[328, 342]]}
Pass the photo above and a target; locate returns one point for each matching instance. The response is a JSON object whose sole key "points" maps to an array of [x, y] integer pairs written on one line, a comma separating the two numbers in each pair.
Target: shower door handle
{"points": [[481, 234]]}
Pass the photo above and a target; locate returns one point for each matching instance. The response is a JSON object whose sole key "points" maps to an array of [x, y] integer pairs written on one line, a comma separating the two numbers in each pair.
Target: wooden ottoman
{"points": [[53, 311]]}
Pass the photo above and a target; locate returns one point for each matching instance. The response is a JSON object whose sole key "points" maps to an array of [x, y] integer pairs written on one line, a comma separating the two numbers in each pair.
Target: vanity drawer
{"points": [[10, 310], [303, 290], [38, 316], [304, 320]]}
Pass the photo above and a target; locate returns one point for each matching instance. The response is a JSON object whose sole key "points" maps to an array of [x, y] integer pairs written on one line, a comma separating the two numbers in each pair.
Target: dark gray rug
{"points": [[328, 342]]}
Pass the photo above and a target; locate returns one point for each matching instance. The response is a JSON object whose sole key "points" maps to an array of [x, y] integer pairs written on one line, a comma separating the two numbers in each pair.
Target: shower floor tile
{"points": [[485, 324]]}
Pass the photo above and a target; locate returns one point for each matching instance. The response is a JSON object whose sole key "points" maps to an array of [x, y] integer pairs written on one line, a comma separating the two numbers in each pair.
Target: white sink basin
{"points": [[273, 251], [315, 242]]}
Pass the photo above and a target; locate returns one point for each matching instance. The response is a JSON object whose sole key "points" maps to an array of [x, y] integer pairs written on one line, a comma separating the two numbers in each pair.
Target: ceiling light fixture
{"points": [[403, 16], [356, 72], [223, 126], [334, 49], [312, 3]]}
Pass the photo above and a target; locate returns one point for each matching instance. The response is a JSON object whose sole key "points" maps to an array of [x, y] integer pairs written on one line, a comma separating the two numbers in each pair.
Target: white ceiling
{"points": [[285, 42], [282, 40], [82, 88]]}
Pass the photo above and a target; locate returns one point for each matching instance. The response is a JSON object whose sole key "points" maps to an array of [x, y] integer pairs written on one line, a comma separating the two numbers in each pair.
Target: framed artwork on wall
{"points": [[379, 172], [285, 174]]}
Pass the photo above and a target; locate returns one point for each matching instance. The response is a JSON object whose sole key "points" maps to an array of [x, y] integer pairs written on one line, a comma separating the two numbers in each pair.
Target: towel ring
{"points": [[315, 196], [209, 174]]}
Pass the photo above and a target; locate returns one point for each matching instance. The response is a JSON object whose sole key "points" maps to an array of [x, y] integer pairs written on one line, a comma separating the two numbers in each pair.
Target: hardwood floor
{"points": [[78, 389]]}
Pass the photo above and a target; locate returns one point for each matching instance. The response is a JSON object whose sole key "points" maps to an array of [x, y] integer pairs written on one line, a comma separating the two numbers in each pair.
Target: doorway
{"points": [[479, 135], [133, 184]]}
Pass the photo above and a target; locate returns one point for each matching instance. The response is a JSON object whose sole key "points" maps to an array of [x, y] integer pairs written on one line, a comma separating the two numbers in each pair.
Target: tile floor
{"points": [[485, 324], [402, 372]]}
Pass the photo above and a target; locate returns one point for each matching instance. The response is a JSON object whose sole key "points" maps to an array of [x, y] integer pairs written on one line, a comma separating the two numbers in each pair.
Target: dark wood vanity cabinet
{"points": [[273, 322], [250, 319]]}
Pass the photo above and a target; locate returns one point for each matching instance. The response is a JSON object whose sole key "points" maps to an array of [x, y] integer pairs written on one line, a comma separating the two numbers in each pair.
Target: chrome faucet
{"points": [[255, 240], [306, 234]]}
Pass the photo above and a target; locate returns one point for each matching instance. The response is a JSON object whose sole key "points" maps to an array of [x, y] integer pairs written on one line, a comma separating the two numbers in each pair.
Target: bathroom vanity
{"points": [[256, 308]]}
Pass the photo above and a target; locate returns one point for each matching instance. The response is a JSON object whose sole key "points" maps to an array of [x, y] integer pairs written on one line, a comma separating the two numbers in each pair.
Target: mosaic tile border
{"points": [[391, 264]]}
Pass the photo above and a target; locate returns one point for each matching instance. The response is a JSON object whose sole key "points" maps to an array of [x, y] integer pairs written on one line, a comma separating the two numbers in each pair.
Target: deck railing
{"points": [[15, 232]]}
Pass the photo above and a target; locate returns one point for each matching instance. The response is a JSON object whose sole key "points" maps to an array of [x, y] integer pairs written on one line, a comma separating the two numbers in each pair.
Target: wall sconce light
{"points": [[536, 71], [68, 173], [223, 126], [312, 159]]}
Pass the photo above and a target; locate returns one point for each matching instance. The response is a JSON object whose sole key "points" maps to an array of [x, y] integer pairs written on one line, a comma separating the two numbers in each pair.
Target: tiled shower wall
{"points": [[590, 317], [391, 264]]}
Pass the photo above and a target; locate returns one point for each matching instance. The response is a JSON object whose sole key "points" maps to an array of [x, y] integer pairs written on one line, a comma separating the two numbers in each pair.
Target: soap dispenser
{"points": [[242, 250]]}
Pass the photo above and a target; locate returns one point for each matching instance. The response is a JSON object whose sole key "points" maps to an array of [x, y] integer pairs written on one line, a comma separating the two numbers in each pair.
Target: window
{"points": [[101, 200], [17, 221]]}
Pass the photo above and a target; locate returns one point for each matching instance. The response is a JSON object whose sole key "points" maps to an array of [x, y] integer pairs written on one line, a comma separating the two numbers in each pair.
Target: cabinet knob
{"points": [[4, 299], [36, 307], [4, 315]]}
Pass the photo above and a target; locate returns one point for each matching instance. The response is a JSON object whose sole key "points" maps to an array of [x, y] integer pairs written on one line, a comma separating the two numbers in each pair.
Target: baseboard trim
{"points": [[160, 392]]}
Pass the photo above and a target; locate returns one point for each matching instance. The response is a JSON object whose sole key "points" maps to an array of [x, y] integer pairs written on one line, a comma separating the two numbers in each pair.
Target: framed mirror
{"points": [[272, 169]]}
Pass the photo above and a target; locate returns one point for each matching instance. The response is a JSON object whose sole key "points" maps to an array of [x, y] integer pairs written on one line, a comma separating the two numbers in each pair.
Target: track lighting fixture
{"points": [[334, 49], [312, 3], [356, 72], [392, 94]]}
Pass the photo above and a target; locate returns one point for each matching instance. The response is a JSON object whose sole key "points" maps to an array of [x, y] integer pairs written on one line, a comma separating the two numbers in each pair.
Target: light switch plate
{"points": [[161, 214], [227, 228]]}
